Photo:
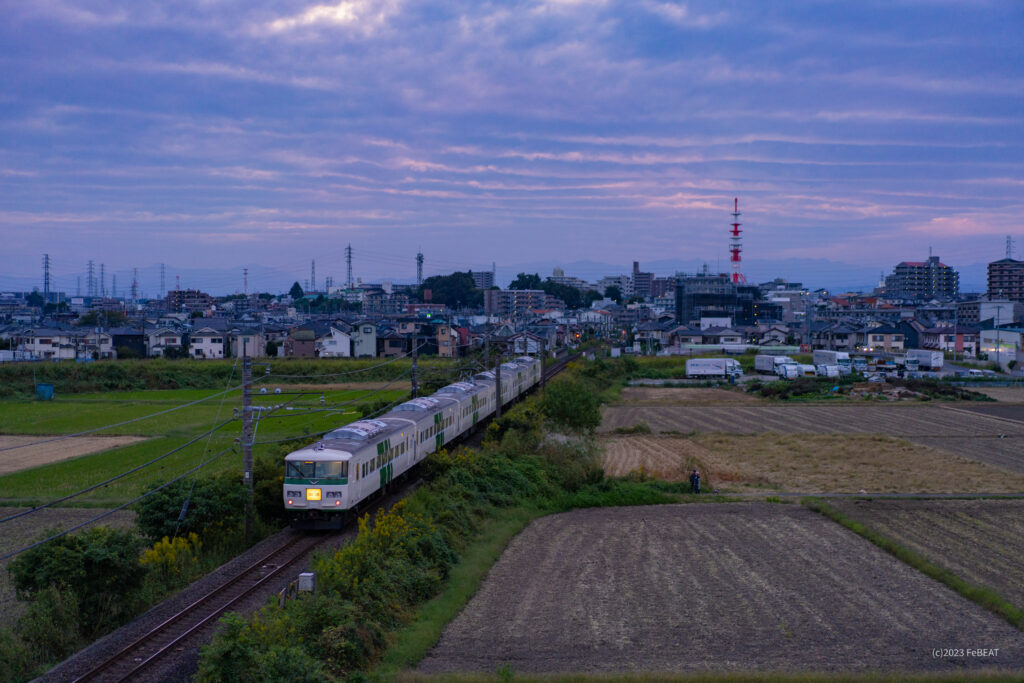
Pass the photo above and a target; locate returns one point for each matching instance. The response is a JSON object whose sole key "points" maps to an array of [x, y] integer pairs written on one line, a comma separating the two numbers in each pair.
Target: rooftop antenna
{"points": [[245, 281], [736, 245], [1009, 247]]}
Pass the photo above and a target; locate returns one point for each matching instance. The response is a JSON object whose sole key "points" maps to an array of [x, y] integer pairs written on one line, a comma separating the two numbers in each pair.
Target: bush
{"points": [[572, 404], [216, 509], [99, 567], [175, 562]]}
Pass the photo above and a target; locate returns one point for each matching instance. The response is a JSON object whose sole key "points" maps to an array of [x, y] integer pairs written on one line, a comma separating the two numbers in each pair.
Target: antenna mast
{"points": [[736, 245]]}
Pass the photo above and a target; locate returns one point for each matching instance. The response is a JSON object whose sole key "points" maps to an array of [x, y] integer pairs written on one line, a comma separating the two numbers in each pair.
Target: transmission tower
{"points": [[162, 274], [78, 285], [135, 286], [419, 269], [113, 285], [90, 282], [103, 280], [312, 276], [348, 264], [736, 245], [245, 281], [46, 278]]}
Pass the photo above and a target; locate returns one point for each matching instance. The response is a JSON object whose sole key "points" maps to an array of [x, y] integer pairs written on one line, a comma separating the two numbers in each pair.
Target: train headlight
{"points": [[290, 502], [313, 494]]}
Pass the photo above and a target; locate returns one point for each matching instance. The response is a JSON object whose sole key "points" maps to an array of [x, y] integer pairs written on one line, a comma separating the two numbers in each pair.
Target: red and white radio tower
{"points": [[737, 243]]}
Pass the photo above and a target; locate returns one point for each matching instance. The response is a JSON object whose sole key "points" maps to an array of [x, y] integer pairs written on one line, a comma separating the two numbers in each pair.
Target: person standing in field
{"points": [[695, 481]]}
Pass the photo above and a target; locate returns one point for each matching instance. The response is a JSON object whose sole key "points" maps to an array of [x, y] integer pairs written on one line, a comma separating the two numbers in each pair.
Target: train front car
{"points": [[316, 478], [323, 482]]}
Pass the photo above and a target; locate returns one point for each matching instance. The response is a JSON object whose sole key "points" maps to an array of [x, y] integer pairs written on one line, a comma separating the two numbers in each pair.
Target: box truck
{"points": [[840, 358], [769, 364], [926, 358], [823, 370], [713, 367]]}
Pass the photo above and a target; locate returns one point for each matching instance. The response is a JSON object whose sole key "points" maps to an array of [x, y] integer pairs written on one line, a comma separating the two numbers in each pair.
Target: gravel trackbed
{"points": [[713, 587]]}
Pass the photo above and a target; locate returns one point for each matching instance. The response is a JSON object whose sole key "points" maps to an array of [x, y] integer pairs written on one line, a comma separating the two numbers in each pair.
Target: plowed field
{"points": [[806, 463], [682, 396], [984, 438], [734, 587], [979, 540]]}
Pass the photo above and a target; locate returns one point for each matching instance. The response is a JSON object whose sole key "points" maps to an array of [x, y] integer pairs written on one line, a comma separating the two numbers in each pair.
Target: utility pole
{"points": [[415, 364], [497, 386], [247, 435], [46, 280], [348, 265], [543, 360], [487, 347]]}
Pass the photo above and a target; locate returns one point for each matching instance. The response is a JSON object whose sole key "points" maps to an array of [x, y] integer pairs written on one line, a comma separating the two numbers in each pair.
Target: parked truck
{"points": [[926, 358], [908, 362], [823, 370], [769, 364], [788, 371], [713, 367], [840, 358], [859, 364]]}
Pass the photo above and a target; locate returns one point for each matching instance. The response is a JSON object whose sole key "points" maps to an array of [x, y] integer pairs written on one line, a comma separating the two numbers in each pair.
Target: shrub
{"points": [[572, 404], [216, 509], [175, 562], [99, 567]]}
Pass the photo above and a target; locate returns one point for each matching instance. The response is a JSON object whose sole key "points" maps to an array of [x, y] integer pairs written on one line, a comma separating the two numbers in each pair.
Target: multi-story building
{"points": [[559, 277], [511, 302], [1006, 279], [999, 311], [715, 295], [641, 281], [188, 300], [923, 280], [483, 279]]}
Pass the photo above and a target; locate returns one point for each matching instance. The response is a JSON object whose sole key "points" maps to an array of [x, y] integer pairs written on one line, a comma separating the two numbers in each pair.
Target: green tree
{"points": [[35, 299], [216, 507], [590, 296], [572, 404], [526, 281], [572, 297], [457, 289], [614, 293], [99, 566], [296, 292]]}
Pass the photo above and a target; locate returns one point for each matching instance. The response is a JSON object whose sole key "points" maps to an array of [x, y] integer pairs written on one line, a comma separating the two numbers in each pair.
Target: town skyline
{"points": [[266, 135]]}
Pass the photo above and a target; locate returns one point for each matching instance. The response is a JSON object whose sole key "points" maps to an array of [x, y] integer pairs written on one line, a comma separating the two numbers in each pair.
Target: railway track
{"points": [[142, 653]]}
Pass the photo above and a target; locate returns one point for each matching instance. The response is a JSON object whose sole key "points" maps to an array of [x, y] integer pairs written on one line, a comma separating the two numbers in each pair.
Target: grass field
{"points": [[710, 588], [305, 415]]}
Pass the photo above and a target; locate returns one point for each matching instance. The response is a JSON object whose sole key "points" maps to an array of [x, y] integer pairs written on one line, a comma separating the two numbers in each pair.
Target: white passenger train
{"points": [[335, 475]]}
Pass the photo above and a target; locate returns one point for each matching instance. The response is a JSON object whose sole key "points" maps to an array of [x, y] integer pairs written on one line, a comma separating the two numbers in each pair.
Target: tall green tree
{"points": [[296, 291], [614, 293], [572, 297], [526, 281], [457, 289]]}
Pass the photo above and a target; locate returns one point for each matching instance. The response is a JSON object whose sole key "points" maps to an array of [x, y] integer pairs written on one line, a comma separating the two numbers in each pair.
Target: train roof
{"points": [[359, 431], [459, 388], [421, 404]]}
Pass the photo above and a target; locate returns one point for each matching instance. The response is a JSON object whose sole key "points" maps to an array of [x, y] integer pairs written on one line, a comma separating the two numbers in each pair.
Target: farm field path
{"points": [[714, 587], [23, 456], [990, 439]]}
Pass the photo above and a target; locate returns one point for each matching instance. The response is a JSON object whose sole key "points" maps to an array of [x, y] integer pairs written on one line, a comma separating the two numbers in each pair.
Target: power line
{"points": [[118, 424], [119, 507], [119, 476]]}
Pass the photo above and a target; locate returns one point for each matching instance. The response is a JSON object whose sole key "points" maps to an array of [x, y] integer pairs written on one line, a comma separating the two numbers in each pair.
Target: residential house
{"points": [[390, 343], [47, 343], [719, 336], [304, 341], [247, 341], [961, 339], [338, 343], [163, 339], [207, 343], [886, 338], [364, 339], [447, 341]]}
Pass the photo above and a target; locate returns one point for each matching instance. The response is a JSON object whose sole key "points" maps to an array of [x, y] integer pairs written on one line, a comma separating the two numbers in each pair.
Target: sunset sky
{"points": [[216, 134]]}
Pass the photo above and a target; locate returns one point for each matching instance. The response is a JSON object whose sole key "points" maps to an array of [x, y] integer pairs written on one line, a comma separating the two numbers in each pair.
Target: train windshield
{"points": [[308, 469]]}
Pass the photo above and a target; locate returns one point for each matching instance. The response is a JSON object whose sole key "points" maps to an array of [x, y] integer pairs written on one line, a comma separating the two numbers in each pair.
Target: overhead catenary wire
{"points": [[119, 476], [119, 424], [145, 495]]}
